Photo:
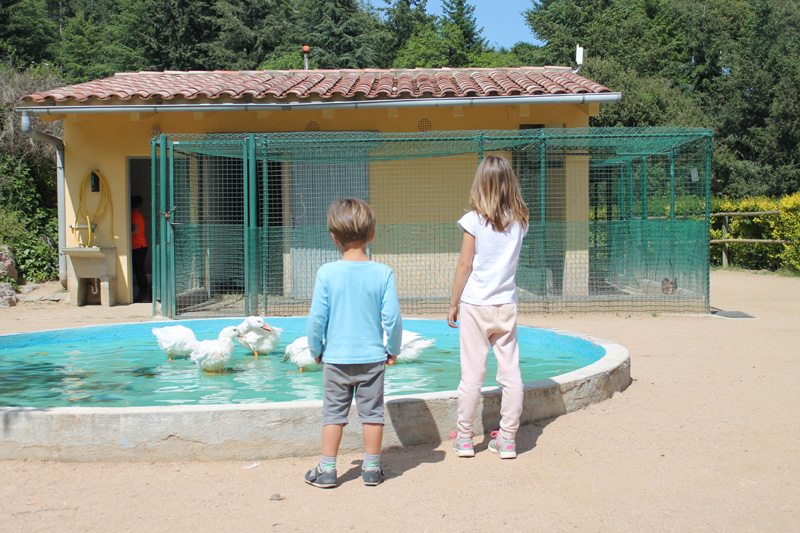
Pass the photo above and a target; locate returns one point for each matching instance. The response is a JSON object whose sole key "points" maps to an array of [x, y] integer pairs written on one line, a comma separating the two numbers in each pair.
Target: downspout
{"points": [[28, 130]]}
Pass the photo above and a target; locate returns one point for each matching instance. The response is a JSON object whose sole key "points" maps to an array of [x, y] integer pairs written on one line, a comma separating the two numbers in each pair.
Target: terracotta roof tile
{"points": [[526, 83], [369, 84], [344, 85], [325, 84], [364, 85], [446, 87], [546, 83], [505, 82], [563, 81], [465, 84], [424, 85], [488, 88], [385, 84], [405, 84]]}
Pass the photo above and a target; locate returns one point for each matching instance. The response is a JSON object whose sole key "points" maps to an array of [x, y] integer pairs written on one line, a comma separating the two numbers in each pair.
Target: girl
{"points": [[484, 283]]}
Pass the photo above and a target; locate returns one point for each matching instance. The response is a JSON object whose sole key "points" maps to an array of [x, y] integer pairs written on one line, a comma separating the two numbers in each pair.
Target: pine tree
{"points": [[341, 34], [424, 49], [460, 14], [249, 31], [28, 35], [179, 33], [404, 18]]}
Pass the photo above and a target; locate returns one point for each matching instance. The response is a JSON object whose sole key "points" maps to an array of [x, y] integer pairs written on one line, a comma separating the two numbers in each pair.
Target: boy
{"points": [[355, 301]]}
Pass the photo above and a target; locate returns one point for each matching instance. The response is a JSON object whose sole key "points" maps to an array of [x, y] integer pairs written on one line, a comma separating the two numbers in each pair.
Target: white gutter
{"points": [[296, 106], [28, 130]]}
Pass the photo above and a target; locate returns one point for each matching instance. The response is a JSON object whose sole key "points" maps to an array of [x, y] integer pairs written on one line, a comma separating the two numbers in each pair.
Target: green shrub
{"points": [[28, 223], [786, 226], [715, 250], [35, 252], [28, 217], [14, 283]]}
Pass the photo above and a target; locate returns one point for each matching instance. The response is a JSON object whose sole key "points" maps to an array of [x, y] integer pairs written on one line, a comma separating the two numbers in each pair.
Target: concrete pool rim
{"points": [[272, 430]]}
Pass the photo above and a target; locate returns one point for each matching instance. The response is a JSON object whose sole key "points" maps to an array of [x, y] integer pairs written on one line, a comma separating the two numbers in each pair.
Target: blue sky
{"points": [[502, 20]]}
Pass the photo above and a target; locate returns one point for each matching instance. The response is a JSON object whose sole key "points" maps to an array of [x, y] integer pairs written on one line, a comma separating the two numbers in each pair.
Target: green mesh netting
{"points": [[619, 216]]}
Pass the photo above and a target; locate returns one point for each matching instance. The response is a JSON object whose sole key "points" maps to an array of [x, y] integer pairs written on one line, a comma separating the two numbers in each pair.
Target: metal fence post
{"points": [[672, 184], [644, 188], [252, 227], [155, 219], [707, 230], [543, 209], [164, 241], [249, 208]]}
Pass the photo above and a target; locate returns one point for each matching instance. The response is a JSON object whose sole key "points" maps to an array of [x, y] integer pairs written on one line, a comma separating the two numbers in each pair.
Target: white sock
{"points": [[371, 460]]}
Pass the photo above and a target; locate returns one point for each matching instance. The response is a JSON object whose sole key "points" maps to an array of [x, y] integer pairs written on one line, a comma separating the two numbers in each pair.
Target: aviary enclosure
{"points": [[619, 216]]}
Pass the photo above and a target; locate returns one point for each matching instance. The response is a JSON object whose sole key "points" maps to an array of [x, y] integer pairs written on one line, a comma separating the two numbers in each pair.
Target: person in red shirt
{"points": [[139, 249]]}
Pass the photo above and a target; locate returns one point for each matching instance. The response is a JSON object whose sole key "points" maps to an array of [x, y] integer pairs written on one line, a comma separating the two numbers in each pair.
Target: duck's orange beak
{"points": [[266, 327]]}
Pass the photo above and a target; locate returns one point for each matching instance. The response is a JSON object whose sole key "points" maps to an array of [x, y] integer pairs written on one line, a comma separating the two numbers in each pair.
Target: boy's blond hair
{"points": [[495, 194], [351, 220]]}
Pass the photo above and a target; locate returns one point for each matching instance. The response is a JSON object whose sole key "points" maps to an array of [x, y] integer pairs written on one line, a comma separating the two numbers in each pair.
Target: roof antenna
{"points": [[578, 59], [306, 50]]}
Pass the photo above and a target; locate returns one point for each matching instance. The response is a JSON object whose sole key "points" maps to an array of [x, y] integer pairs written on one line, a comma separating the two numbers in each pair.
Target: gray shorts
{"points": [[342, 382]]}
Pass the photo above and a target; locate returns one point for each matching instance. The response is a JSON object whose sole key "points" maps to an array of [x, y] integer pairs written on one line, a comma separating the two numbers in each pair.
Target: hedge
{"points": [[785, 226]]}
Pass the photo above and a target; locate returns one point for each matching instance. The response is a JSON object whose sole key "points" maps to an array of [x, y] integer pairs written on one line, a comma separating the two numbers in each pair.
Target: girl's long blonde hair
{"points": [[495, 194]]}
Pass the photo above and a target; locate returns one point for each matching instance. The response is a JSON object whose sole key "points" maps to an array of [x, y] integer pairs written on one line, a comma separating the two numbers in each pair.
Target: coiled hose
{"points": [[93, 218]]}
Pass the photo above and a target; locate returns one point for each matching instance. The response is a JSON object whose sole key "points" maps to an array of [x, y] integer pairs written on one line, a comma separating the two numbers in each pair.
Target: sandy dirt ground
{"points": [[706, 438]]}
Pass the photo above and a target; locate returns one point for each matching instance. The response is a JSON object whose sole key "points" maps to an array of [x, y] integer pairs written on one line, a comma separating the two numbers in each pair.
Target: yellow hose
{"points": [[93, 218]]}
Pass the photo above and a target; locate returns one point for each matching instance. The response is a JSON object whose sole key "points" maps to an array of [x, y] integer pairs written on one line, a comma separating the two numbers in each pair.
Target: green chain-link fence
{"points": [[619, 216]]}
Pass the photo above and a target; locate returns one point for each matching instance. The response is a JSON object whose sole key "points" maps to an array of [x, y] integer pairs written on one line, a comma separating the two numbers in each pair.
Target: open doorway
{"points": [[139, 184]]}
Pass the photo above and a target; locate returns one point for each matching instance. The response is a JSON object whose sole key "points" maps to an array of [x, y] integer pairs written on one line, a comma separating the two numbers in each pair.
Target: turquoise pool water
{"points": [[121, 366]]}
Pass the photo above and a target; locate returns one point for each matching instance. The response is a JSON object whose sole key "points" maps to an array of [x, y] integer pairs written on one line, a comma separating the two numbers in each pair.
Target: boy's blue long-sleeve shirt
{"points": [[354, 303]]}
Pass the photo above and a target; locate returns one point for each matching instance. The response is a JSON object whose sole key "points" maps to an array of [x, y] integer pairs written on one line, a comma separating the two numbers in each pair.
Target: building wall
{"points": [[106, 142]]}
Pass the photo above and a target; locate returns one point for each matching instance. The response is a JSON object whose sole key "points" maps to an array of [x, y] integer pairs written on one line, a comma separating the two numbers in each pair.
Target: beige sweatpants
{"points": [[480, 327]]}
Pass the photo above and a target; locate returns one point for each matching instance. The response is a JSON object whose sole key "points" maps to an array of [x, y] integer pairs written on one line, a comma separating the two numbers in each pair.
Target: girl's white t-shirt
{"points": [[494, 265]]}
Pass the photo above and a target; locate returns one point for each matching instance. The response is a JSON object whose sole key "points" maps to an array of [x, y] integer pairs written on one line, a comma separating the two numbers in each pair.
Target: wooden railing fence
{"points": [[725, 240]]}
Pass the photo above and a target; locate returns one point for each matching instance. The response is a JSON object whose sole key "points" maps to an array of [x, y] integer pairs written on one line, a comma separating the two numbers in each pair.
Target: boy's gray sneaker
{"points": [[506, 448], [324, 478], [372, 475]]}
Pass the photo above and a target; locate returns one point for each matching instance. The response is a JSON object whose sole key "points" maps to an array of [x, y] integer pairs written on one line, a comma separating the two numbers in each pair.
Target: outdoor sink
{"points": [[90, 263]]}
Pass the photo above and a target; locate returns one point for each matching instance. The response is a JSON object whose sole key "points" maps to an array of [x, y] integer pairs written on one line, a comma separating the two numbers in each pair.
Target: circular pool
{"points": [[108, 392], [122, 366]]}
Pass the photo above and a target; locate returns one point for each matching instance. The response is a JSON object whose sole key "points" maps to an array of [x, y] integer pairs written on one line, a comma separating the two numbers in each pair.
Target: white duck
{"points": [[175, 340], [411, 345], [257, 336], [298, 353], [213, 355]]}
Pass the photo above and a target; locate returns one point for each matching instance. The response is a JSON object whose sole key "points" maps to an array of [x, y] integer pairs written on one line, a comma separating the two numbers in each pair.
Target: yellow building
{"points": [[124, 134]]}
